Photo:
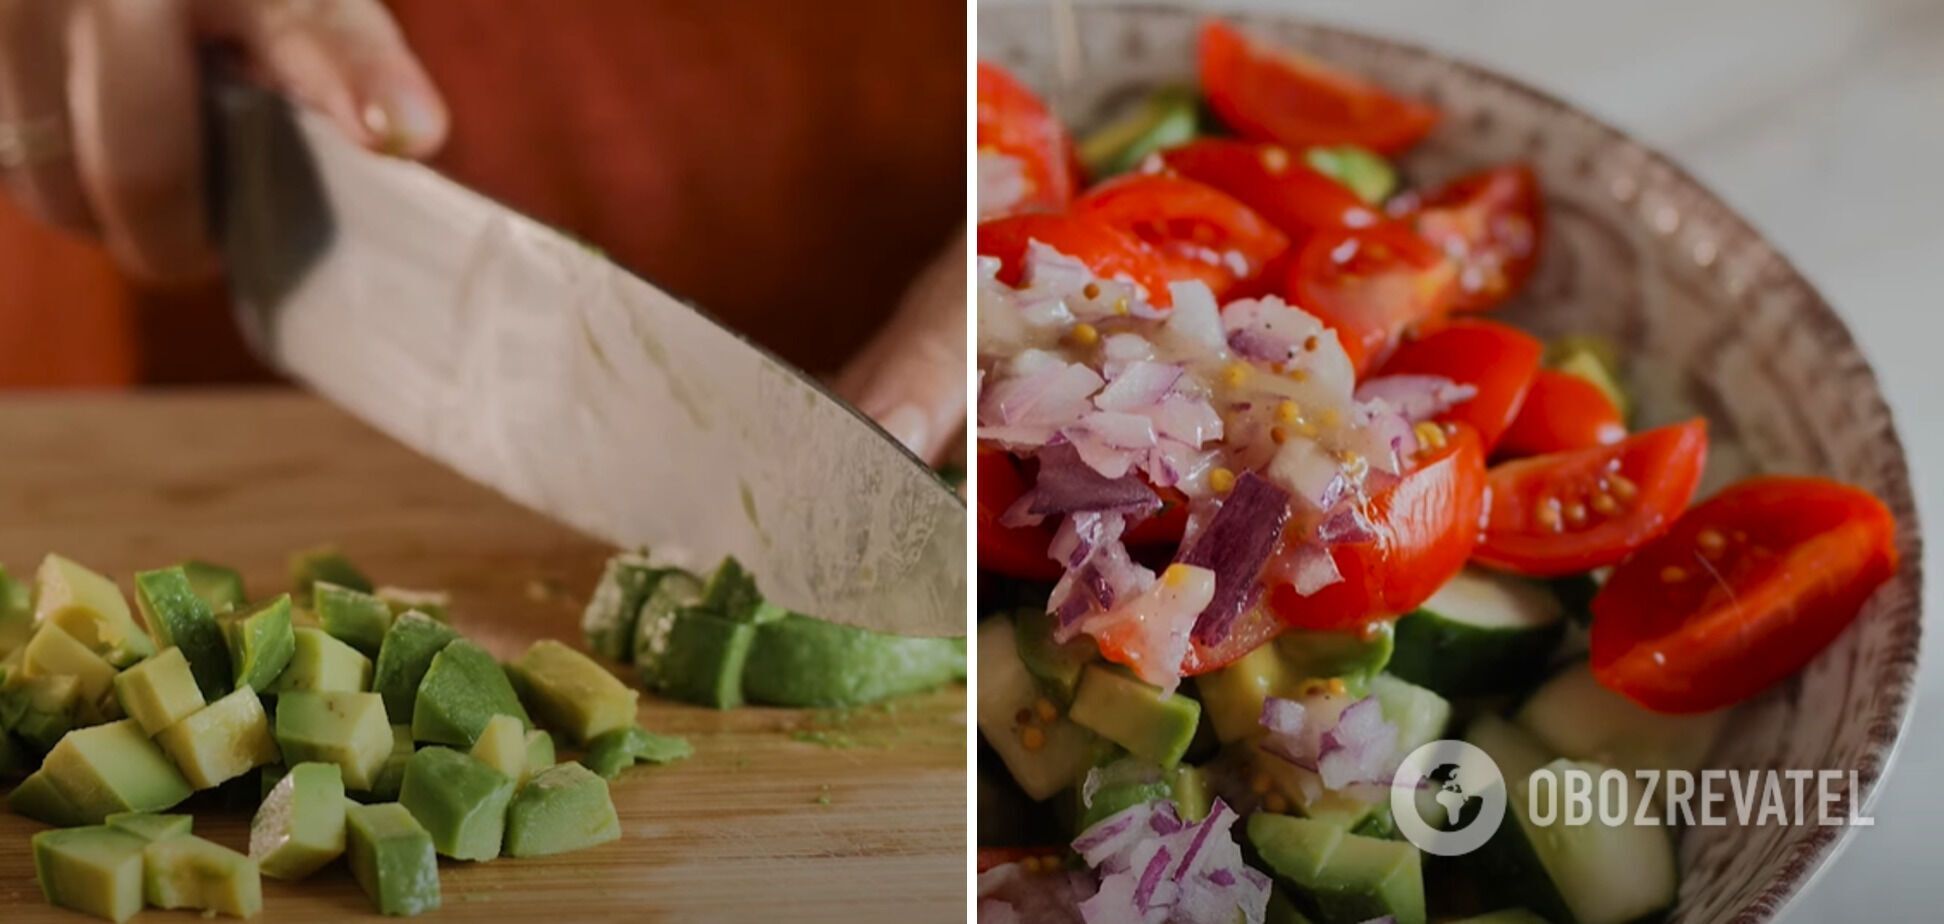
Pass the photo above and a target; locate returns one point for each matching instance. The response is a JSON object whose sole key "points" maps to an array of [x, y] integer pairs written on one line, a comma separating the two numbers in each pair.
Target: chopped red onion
{"points": [[1359, 747], [1157, 867], [1196, 318], [1002, 183], [1067, 485], [1310, 472], [1030, 409], [1281, 716], [1182, 874], [1191, 421], [1111, 441], [1138, 386], [1235, 545], [1417, 397], [1036, 897]]}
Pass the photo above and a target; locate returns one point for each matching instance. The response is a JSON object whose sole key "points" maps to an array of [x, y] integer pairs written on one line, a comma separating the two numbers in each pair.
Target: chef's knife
{"points": [[526, 361]]}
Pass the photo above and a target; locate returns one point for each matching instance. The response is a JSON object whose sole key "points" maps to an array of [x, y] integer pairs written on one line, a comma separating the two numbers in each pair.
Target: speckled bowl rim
{"points": [[1888, 723]]}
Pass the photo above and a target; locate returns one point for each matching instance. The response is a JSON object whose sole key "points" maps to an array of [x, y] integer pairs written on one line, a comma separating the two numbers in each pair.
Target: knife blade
{"points": [[527, 362]]}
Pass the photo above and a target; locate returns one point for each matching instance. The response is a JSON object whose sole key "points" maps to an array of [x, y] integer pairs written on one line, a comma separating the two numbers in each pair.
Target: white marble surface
{"points": [[1822, 121]]}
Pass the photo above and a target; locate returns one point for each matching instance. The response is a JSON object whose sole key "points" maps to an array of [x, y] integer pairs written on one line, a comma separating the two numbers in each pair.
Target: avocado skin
{"points": [[800, 661]]}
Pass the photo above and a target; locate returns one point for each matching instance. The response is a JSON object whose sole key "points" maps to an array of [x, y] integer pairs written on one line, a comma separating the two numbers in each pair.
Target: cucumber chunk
{"points": [[1360, 170], [1482, 632], [1599, 873], [1576, 717], [1166, 118]]}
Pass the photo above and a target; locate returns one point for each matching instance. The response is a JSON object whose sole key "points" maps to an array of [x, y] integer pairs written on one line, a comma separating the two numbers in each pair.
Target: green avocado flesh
{"points": [[799, 661], [705, 658], [324, 563], [503, 747], [52, 652], [409, 647], [16, 614], [436, 604], [300, 825], [1055, 665], [100, 771], [91, 608], [563, 808], [178, 617], [319, 661], [392, 858], [96, 870], [570, 693], [336, 727], [730, 592], [1341, 878], [351, 616], [261, 644], [186, 871], [391, 774], [617, 750], [674, 592], [462, 691], [1147, 722], [221, 741], [151, 827], [40, 710], [459, 800], [220, 588]]}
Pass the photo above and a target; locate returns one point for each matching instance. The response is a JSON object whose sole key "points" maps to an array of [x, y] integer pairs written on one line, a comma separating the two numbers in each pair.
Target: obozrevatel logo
{"points": [[1457, 781]]}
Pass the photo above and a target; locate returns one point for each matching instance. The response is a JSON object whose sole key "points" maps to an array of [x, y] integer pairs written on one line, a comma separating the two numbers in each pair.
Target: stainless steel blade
{"points": [[524, 360]]}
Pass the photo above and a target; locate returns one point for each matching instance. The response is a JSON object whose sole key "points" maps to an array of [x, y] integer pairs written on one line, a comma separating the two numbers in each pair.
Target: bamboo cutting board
{"points": [[797, 815]]}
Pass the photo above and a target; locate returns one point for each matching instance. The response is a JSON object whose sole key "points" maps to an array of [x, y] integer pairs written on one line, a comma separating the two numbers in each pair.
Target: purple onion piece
{"points": [[1235, 545]]}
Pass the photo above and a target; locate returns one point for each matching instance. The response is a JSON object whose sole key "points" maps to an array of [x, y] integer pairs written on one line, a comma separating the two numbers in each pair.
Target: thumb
{"points": [[910, 377]]}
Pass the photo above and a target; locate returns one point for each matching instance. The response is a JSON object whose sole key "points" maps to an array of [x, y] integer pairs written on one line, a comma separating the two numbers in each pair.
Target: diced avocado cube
{"points": [[91, 608], [269, 775], [462, 691], [320, 662], [730, 592], [392, 858], [186, 871], [16, 614], [41, 709], [609, 620], [409, 647], [262, 644], [619, 749], [220, 587], [539, 753], [95, 871], [563, 808], [108, 769], [222, 740], [800, 661], [300, 826], [38, 798], [705, 659], [323, 563], [1354, 657], [52, 652], [673, 593], [391, 776], [1139, 717], [1345, 877], [570, 693], [434, 603], [1055, 665], [178, 617], [335, 727], [1233, 695], [503, 747], [160, 691], [152, 827], [1167, 117], [460, 800], [352, 616]]}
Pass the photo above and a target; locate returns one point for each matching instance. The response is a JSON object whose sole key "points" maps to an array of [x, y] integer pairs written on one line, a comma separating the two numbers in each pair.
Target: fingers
{"points": [[39, 170], [345, 58], [133, 101], [911, 377]]}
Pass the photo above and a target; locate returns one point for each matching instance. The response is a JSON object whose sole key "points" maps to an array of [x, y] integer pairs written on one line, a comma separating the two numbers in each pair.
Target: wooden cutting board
{"points": [[793, 815]]}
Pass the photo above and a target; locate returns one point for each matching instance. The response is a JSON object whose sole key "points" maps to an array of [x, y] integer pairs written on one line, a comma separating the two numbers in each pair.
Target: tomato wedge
{"points": [[1496, 359], [1745, 589], [1014, 551], [1250, 631], [1278, 185], [1110, 252], [1425, 527], [1562, 411], [1489, 224], [1369, 286], [1569, 512], [1165, 526], [1014, 123], [1279, 95], [1196, 230]]}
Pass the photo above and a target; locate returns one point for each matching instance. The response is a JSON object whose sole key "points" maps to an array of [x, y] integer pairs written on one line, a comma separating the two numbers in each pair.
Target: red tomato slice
{"points": [[1489, 224], [1196, 230], [1014, 551], [1569, 512], [1279, 95], [1275, 183], [1498, 360], [1013, 122], [1250, 631], [1369, 286], [1110, 252], [1562, 412], [1745, 589], [1426, 525], [1165, 526]]}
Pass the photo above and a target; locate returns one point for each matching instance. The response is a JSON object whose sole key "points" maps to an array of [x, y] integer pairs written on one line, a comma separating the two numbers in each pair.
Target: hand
{"points": [[100, 130], [911, 376]]}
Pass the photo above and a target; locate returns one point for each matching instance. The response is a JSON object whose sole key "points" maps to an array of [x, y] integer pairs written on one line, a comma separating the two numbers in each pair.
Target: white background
{"points": [[1822, 121]]}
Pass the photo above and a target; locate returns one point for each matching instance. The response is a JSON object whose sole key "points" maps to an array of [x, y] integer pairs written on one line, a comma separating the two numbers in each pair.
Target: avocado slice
{"points": [[705, 658], [539, 754], [463, 689], [434, 603], [39, 710], [91, 608], [1043, 750], [801, 661], [351, 616], [459, 800], [220, 587], [391, 773], [336, 727], [1233, 696], [319, 661], [186, 871], [1343, 878], [52, 652], [178, 617], [1353, 657], [221, 741], [563, 808], [1055, 665], [392, 858], [409, 647], [300, 826], [570, 692], [95, 870], [262, 644], [323, 563], [103, 770], [503, 747], [1147, 722], [620, 749], [151, 827]]}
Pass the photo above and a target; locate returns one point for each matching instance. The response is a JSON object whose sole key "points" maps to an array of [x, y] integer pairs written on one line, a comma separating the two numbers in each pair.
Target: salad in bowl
{"points": [[1269, 499]]}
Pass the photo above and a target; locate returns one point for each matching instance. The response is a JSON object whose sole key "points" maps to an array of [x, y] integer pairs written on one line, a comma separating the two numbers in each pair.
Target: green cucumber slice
{"points": [[1164, 119], [1482, 632], [1576, 717], [1590, 874]]}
